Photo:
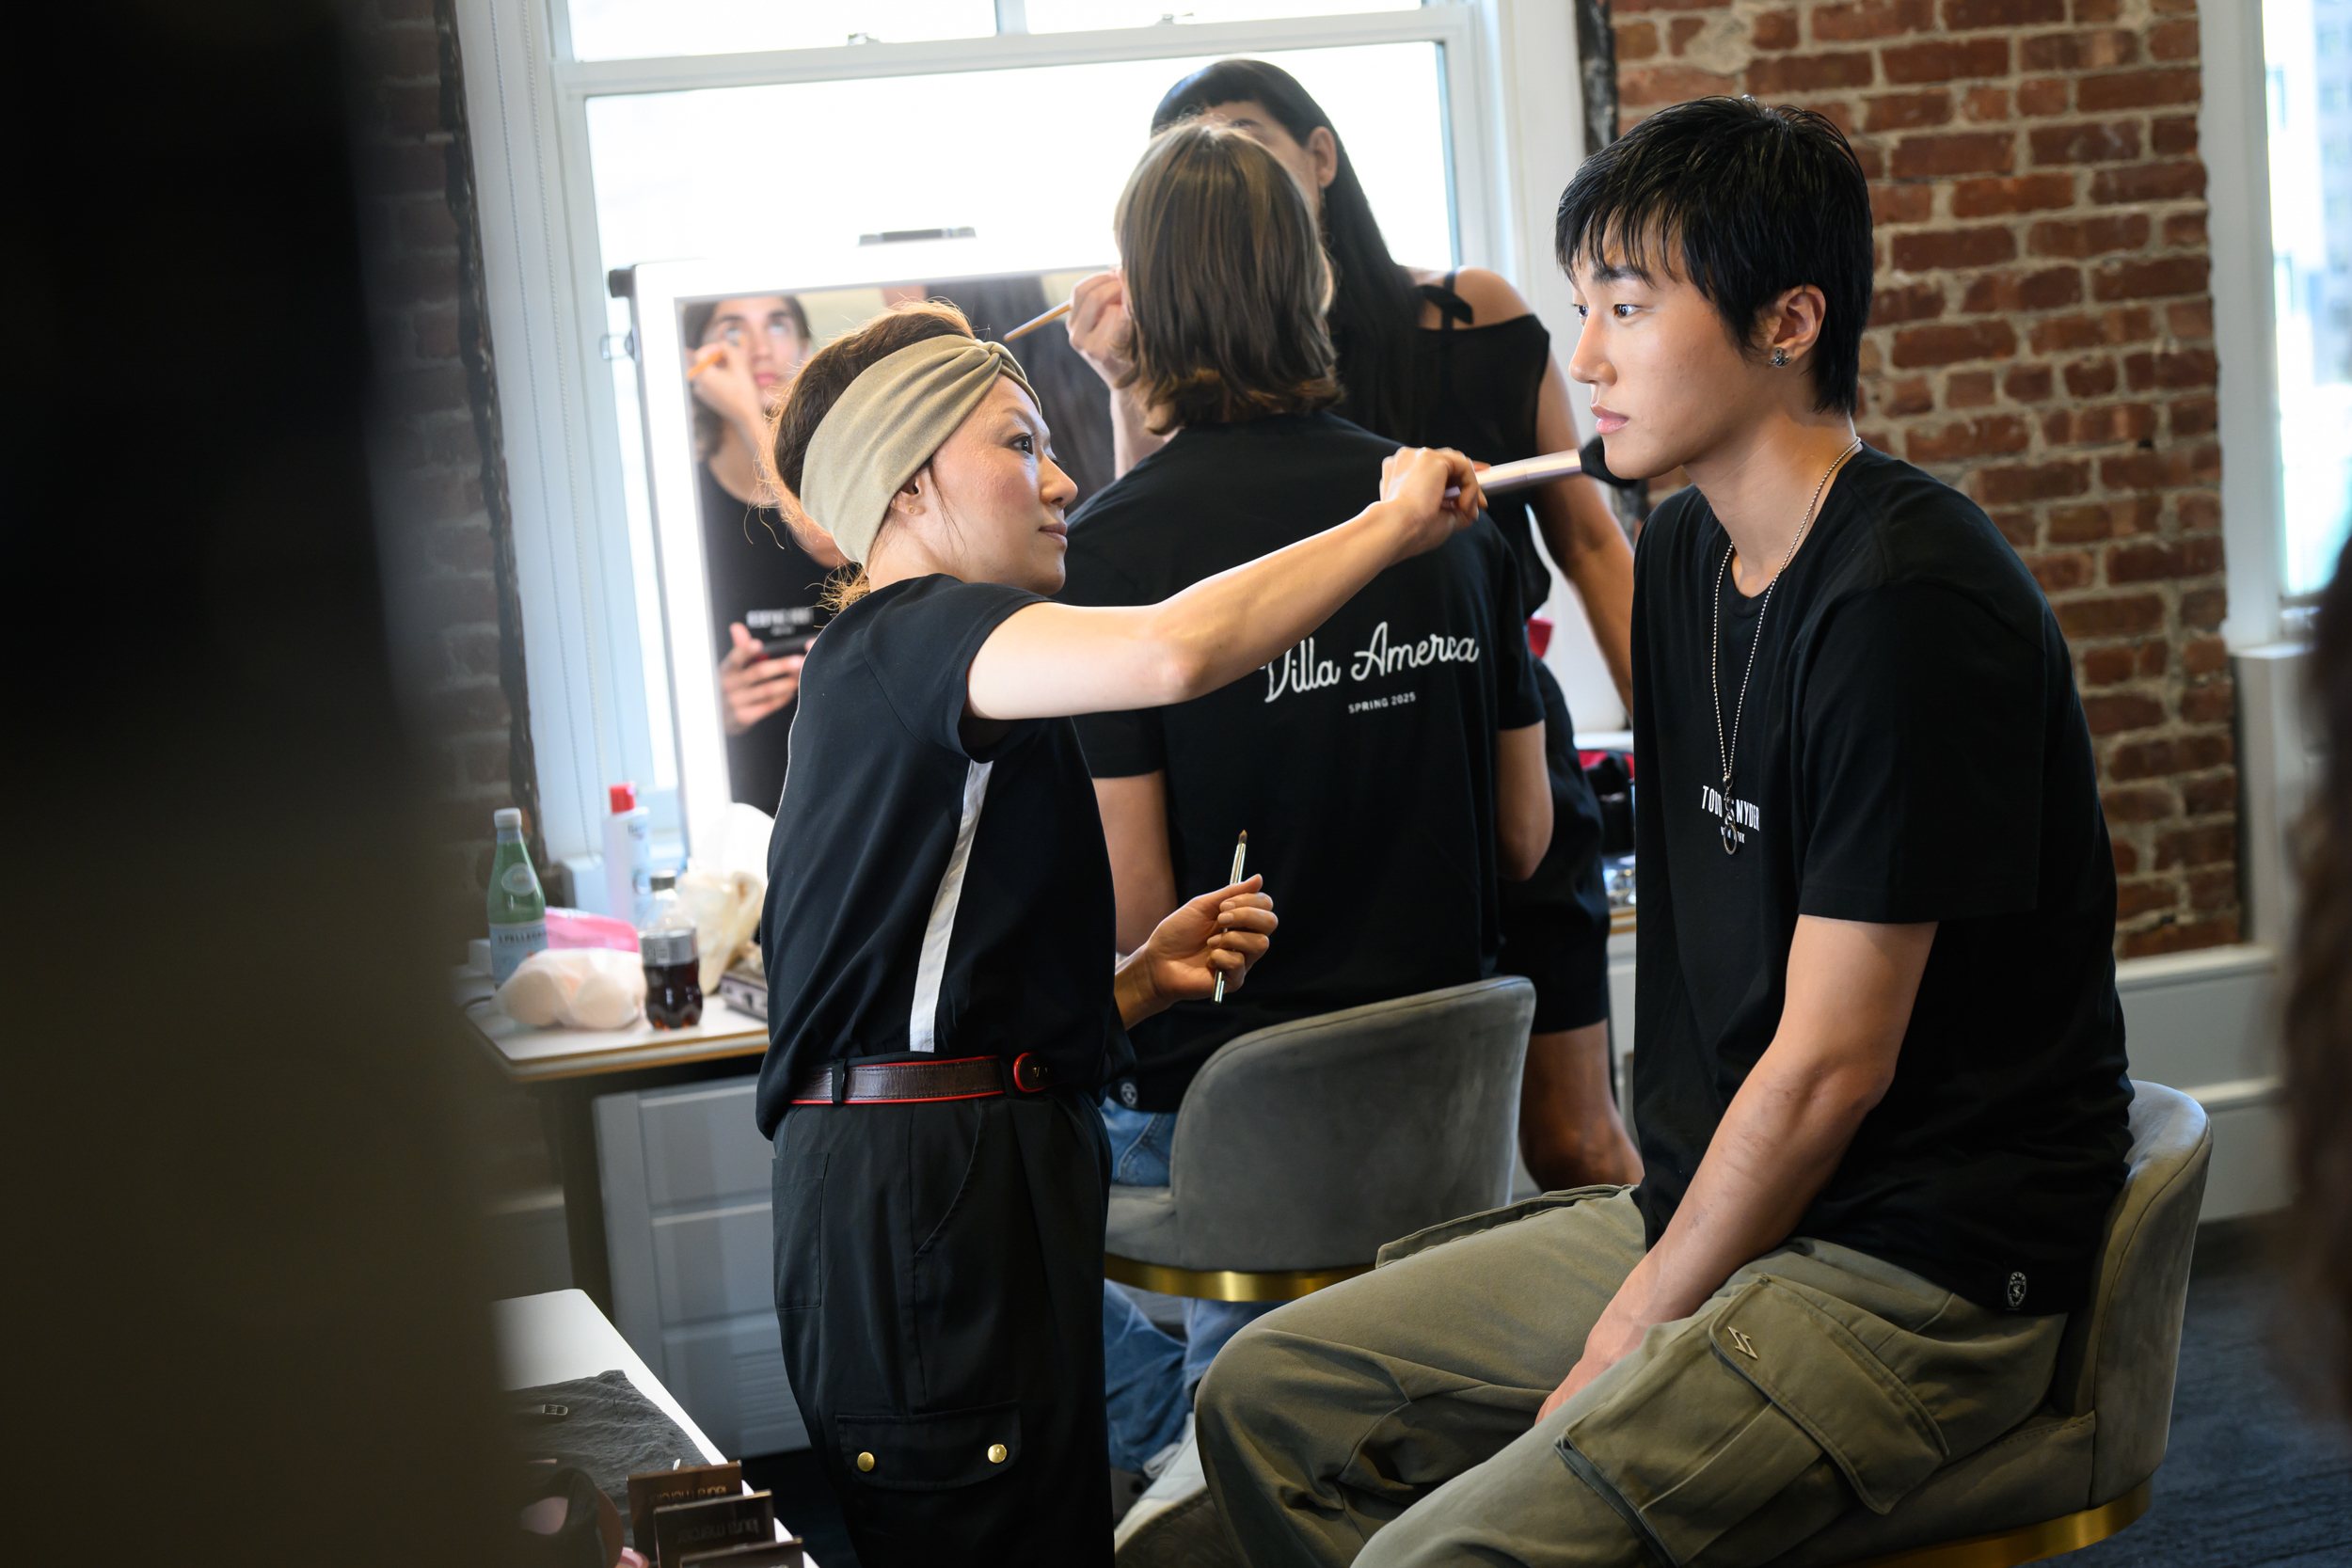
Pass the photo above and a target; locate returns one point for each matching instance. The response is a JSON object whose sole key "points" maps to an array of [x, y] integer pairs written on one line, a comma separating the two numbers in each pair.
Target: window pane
{"points": [[2309, 50], [632, 29], [789, 175], [1070, 16]]}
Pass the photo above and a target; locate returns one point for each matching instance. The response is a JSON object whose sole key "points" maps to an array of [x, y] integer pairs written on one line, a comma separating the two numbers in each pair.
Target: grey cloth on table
{"points": [[613, 1432]]}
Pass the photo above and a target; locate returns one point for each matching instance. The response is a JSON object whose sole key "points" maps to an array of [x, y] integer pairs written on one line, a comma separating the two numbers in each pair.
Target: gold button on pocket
{"points": [[995, 1453], [865, 1462]]}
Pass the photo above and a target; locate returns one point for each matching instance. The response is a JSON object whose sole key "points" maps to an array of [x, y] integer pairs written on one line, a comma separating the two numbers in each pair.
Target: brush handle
{"points": [[1241, 854], [1035, 322], [1526, 473]]}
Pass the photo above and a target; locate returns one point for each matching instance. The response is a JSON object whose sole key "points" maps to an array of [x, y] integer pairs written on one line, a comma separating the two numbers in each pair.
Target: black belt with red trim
{"points": [[904, 1082]]}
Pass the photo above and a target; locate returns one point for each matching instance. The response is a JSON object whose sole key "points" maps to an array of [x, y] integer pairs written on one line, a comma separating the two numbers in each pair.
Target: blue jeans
{"points": [[1151, 1376]]}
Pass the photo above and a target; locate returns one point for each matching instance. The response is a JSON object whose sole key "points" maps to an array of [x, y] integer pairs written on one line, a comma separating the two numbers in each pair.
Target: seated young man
{"points": [[1879, 1080], [1389, 771]]}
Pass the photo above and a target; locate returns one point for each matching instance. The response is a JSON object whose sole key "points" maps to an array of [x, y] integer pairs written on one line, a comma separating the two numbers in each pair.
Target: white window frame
{"points": [[1515, 110], [2234, 139]]}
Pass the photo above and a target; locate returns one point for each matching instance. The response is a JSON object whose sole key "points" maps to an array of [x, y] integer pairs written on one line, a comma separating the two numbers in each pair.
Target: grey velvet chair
{"points": [[1300, 1148], [2078, 1470]]}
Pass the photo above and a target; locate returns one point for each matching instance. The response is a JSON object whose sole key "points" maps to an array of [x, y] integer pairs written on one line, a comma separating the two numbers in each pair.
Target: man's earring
{"points": [[1780, 358]]}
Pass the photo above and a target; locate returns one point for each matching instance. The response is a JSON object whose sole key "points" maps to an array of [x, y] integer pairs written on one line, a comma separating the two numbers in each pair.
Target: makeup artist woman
{"points": [[939, 936]]}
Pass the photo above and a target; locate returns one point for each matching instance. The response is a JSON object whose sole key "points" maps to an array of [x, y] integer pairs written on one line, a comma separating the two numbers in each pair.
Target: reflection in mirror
{"points": [[765, 582]]}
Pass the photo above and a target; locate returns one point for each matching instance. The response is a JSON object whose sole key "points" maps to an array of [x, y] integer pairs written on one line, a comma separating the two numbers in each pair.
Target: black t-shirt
{"points": [[1912, 750], [925, 900], [1361, 761], [758, 575]]}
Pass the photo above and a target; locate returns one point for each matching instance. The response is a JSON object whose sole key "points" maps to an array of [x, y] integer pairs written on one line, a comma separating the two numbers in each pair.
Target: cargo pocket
{"points": [[1470, 1224], [930, 1453], [1728, 1412], [798, 1217]]}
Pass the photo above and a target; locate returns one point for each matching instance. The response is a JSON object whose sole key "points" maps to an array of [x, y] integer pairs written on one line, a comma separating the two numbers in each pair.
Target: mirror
{"points": [[716, 349]]}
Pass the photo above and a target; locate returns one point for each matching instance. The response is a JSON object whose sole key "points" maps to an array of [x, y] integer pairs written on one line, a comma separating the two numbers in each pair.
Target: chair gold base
{"points": [[1224, 1283], [2009, 1548]]}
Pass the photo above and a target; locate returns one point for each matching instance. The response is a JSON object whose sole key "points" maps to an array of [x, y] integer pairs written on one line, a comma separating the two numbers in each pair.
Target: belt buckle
{"points": [[1029, 1073]]}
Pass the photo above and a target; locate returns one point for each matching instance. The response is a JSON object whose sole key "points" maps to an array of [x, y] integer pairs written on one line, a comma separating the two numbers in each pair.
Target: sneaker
{"points": [[1173, 1521]]}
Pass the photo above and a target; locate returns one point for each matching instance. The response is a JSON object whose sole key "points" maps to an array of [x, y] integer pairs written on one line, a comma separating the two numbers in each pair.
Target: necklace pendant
{"points": [[1729, 823], [1731, 838]]}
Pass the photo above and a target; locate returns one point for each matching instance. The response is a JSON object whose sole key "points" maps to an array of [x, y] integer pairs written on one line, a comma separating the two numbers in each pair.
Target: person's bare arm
{"points": [[1522, 802], [1099, 331], [1851, 988], [1046, 661], [1143, 876]]}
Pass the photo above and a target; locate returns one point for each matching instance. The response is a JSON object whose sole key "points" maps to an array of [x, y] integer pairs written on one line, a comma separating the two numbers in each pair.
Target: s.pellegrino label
{"points": [[511, 944]]}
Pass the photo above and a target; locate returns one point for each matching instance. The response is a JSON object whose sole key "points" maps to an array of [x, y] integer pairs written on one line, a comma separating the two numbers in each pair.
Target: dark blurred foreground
{"points": [[241, 1267]]}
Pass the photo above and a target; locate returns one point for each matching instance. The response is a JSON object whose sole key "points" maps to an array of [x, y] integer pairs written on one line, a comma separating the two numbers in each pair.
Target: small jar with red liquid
{"points": [[674, 989]]}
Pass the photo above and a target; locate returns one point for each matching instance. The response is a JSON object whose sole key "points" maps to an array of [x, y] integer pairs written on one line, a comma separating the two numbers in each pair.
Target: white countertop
{"points": [[532, 1053]]}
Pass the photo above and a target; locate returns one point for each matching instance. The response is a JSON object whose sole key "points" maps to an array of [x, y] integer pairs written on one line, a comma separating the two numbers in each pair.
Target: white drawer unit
{"points": [[686, 1220]]}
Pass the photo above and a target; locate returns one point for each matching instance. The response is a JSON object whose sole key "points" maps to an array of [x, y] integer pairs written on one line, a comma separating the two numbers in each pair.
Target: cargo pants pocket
{"points": [[797, 1216], [939, 1452], [1470, 1224], [1728, 1412]]}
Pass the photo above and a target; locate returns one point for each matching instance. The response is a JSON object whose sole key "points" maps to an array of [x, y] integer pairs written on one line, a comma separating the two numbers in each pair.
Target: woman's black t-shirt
{"points": [[1912, 749], [758, 575], [1475, 389], [1360, 762], [928, 901]]}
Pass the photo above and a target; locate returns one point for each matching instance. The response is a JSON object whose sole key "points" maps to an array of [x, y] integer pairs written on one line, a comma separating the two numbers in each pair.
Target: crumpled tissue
{"points": [[579, 987]]}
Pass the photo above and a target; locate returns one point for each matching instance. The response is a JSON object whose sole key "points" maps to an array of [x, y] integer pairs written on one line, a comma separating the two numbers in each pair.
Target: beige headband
{"points": [[899, 411]]}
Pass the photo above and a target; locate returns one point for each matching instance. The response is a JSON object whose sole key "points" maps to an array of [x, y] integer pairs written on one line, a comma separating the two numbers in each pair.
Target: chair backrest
{"points": [[1308, 1145], [2121, 1351]]}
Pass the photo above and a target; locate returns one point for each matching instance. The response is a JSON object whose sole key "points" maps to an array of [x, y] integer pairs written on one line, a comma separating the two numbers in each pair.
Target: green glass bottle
{"points": [[519, 910]]}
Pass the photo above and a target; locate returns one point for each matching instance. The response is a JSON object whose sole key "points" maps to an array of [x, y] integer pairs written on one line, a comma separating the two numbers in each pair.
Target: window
{"points": [[2311, 300], [760, 142]]}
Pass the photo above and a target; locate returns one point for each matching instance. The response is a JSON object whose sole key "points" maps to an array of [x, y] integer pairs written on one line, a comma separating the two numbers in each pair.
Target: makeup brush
{"points": [[704, 360], [1056, 314], [1241, 854], [1526, 473]]}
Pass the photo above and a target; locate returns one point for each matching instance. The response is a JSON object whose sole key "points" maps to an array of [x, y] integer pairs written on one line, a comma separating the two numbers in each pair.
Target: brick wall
{"points": [[2042, 339], [437, 457]]}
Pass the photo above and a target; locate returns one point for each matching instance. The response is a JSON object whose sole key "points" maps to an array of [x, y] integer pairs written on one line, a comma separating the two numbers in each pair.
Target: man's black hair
{"points": [[1758, 201]]}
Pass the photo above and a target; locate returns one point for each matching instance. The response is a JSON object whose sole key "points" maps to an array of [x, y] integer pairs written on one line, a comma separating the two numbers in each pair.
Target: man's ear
{"points": [[1322, 150], [1792, 323]]}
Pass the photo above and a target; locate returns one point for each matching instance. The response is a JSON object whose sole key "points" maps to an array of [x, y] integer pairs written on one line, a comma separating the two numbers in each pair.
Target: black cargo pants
{"points": [[939, 1282]]}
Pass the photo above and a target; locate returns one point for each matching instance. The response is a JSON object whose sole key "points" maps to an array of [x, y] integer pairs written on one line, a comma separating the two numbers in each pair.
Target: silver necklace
{"points": [[1724, 749]]}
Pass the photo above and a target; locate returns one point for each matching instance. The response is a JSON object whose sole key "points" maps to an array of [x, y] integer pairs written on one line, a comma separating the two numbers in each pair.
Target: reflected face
{"points": [[1668, 383], [762, 331], [995, 510], [1312, 165]]}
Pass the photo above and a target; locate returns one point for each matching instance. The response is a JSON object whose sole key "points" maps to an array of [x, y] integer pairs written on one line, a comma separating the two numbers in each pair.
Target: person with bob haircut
{"points": [[1389, 771], [938, 934], [1880, 1080], [1456, 359]]}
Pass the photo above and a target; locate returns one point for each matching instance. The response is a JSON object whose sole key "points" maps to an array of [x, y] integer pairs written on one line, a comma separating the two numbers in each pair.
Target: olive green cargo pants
{"points": [[1391, 1419]]}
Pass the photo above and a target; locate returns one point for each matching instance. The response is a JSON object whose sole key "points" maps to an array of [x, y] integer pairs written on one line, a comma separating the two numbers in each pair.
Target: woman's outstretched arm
{"points": [[1052, 659]]}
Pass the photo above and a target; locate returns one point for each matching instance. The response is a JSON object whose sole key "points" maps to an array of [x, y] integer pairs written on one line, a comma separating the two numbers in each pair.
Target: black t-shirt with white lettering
{"points": [[927, 901], [1361, 763], [1912, 749]]}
